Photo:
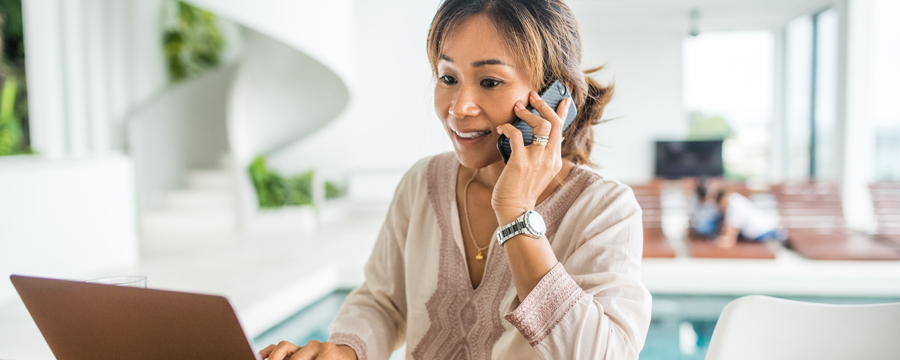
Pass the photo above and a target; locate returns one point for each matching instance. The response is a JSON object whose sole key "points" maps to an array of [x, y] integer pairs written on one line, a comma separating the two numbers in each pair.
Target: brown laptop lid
{"points": [[82, 321]]}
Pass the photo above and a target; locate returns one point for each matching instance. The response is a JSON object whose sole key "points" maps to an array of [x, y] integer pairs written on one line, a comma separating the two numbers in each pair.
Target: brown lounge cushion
{"points": [[839, 246], [700, 247], [892, 240], [656, 245]]}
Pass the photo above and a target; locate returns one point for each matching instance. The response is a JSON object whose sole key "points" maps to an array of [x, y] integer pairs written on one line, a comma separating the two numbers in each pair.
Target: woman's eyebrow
{"points": [[478, 63]]}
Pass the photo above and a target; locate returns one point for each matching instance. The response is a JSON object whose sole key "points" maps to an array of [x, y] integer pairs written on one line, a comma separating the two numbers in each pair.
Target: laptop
{"points": [[86, 321]]}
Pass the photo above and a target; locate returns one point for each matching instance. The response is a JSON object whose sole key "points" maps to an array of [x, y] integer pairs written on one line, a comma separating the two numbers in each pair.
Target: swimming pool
{"points": [[680, 327]]}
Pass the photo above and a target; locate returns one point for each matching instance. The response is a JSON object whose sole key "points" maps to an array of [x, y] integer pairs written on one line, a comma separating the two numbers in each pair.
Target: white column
{"points": [[117, 72], [777, 129], [46, 100], [96, 61], [858, 147], [147, 72], [75, 76]]}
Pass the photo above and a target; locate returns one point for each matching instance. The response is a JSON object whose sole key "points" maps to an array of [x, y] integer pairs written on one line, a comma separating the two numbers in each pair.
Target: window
{"points": [[728, 92], [811, 61], [885, 90], [798, 49], [825, 136]]}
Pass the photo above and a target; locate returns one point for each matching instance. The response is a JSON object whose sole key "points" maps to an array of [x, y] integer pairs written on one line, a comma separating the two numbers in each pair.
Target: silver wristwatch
{"points": [[530, 223]]}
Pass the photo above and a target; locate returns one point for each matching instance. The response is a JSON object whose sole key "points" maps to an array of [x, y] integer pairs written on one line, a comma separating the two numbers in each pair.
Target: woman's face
{"points": [[479, 82]]}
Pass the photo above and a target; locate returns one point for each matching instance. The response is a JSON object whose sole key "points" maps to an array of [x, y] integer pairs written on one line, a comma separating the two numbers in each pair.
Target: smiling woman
{"points": [[534, 258], [540, 52]]}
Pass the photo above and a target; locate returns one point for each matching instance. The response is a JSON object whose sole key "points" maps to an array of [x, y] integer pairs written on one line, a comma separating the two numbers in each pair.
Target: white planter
{"points": [[291, 222], [334, 211]]}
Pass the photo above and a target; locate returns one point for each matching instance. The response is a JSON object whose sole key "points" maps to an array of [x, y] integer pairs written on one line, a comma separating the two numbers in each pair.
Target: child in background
{"points": [[706, 216], [742, 219]]}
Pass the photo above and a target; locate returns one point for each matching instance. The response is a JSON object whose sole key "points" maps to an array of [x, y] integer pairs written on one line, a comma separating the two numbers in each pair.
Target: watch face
{"points": [[536, 223]]}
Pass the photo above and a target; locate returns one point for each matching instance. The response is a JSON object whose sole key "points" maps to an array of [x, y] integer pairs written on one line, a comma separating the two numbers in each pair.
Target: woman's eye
{"points": [[447, 79], [490, 83]]}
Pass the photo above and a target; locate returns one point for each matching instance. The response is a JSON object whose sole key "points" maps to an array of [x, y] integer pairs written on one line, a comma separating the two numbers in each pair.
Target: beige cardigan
{"points": [[592, 305]]}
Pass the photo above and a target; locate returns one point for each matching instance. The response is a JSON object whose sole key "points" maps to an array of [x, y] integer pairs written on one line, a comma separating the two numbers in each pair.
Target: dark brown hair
{"points": [[544, 36]]}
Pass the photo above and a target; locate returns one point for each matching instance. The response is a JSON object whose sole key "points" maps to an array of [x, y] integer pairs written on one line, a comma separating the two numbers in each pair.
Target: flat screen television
{"points": [[678, 159]]}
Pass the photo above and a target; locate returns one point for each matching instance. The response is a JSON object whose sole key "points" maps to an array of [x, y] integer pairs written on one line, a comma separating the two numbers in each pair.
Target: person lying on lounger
{"points": [[705, 217], [742, 220]]}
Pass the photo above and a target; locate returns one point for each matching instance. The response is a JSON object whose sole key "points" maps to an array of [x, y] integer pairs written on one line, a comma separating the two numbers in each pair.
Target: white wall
{"points": [[279, 96], [145, 68], [65, 218], [181, 129], [293, 78], [391, 121], [319, 29], [645, 65]]}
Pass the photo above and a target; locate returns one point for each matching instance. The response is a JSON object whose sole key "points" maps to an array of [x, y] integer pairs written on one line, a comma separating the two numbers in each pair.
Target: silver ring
{"points": [[540, 140]]}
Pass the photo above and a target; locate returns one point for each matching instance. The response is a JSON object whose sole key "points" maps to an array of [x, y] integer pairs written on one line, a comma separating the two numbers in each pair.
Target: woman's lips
{"points": [[469, 137]]}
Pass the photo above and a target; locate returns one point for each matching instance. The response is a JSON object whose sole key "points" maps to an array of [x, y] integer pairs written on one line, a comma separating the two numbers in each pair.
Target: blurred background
{"points": [[250, 148]]}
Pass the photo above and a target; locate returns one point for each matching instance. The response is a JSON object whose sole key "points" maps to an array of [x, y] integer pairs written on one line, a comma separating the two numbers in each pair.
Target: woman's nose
{"points": [[464, 105]]}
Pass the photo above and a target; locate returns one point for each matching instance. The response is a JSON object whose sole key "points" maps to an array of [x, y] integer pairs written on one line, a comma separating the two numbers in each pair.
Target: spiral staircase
{"points": [[293, 78]]}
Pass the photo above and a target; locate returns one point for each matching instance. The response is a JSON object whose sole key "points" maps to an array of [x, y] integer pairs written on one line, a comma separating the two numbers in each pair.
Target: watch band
{"points": [[520, 226]]}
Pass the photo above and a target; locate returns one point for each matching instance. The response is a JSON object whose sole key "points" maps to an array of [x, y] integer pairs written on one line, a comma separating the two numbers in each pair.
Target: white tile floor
{"points": [[265, 279]]}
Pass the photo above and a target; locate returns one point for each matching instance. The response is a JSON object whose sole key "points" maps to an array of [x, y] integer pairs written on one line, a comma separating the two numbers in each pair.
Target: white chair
{"points": [[765, 328]]}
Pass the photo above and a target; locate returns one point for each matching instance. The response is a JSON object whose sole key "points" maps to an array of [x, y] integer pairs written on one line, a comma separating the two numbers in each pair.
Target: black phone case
{"points": [[552, 95]]}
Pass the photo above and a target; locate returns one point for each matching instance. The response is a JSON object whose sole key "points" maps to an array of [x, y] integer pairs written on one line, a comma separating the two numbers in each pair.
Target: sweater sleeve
{"points": [[372, 320], [592, 305]]}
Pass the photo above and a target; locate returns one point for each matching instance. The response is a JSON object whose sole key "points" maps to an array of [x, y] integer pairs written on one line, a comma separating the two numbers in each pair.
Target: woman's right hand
{"points": [[312, 350]]}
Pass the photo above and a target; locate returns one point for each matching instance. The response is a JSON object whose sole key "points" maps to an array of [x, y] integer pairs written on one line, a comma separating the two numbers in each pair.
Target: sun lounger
{"points": [[892, 240], [656, 245], [886, 201], [689, 185], [813, 215], [700, 247], [839, 246]]}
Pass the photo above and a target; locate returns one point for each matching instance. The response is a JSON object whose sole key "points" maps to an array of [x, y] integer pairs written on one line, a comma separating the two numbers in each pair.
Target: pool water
{"points": [[680, 327], [311, 323]]}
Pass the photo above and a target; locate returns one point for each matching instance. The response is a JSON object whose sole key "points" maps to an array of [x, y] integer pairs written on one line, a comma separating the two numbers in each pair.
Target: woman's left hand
{"points": [[530, 168]]}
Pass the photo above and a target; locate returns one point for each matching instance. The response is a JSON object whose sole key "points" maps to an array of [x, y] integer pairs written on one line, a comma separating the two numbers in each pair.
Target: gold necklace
{"points": [[468, 223], [466, 212]]}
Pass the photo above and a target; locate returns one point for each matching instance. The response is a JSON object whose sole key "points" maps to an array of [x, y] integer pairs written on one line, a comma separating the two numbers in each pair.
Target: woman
{"points": [[438, 278]]}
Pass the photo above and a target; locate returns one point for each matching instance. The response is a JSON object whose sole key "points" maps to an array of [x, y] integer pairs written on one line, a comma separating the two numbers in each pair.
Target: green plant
{"points": [[274, 190], [10, 130], [14, 131], [13, 34], [192, 42], [704, 127], [333, 190]]}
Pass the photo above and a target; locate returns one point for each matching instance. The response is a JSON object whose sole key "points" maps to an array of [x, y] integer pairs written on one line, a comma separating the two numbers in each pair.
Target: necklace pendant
{"points": [[479, 257]]}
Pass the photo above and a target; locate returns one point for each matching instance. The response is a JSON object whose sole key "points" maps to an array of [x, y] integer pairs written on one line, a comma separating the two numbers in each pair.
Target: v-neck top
{"points": [[456, 226], [417, 291]]}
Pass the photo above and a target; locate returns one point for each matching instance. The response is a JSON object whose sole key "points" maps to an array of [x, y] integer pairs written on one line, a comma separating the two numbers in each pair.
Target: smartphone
{"points": [[552, 95]]}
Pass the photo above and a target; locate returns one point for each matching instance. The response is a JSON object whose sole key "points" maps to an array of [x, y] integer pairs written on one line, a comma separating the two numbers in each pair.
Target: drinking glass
{"points": [[133, 281]]}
